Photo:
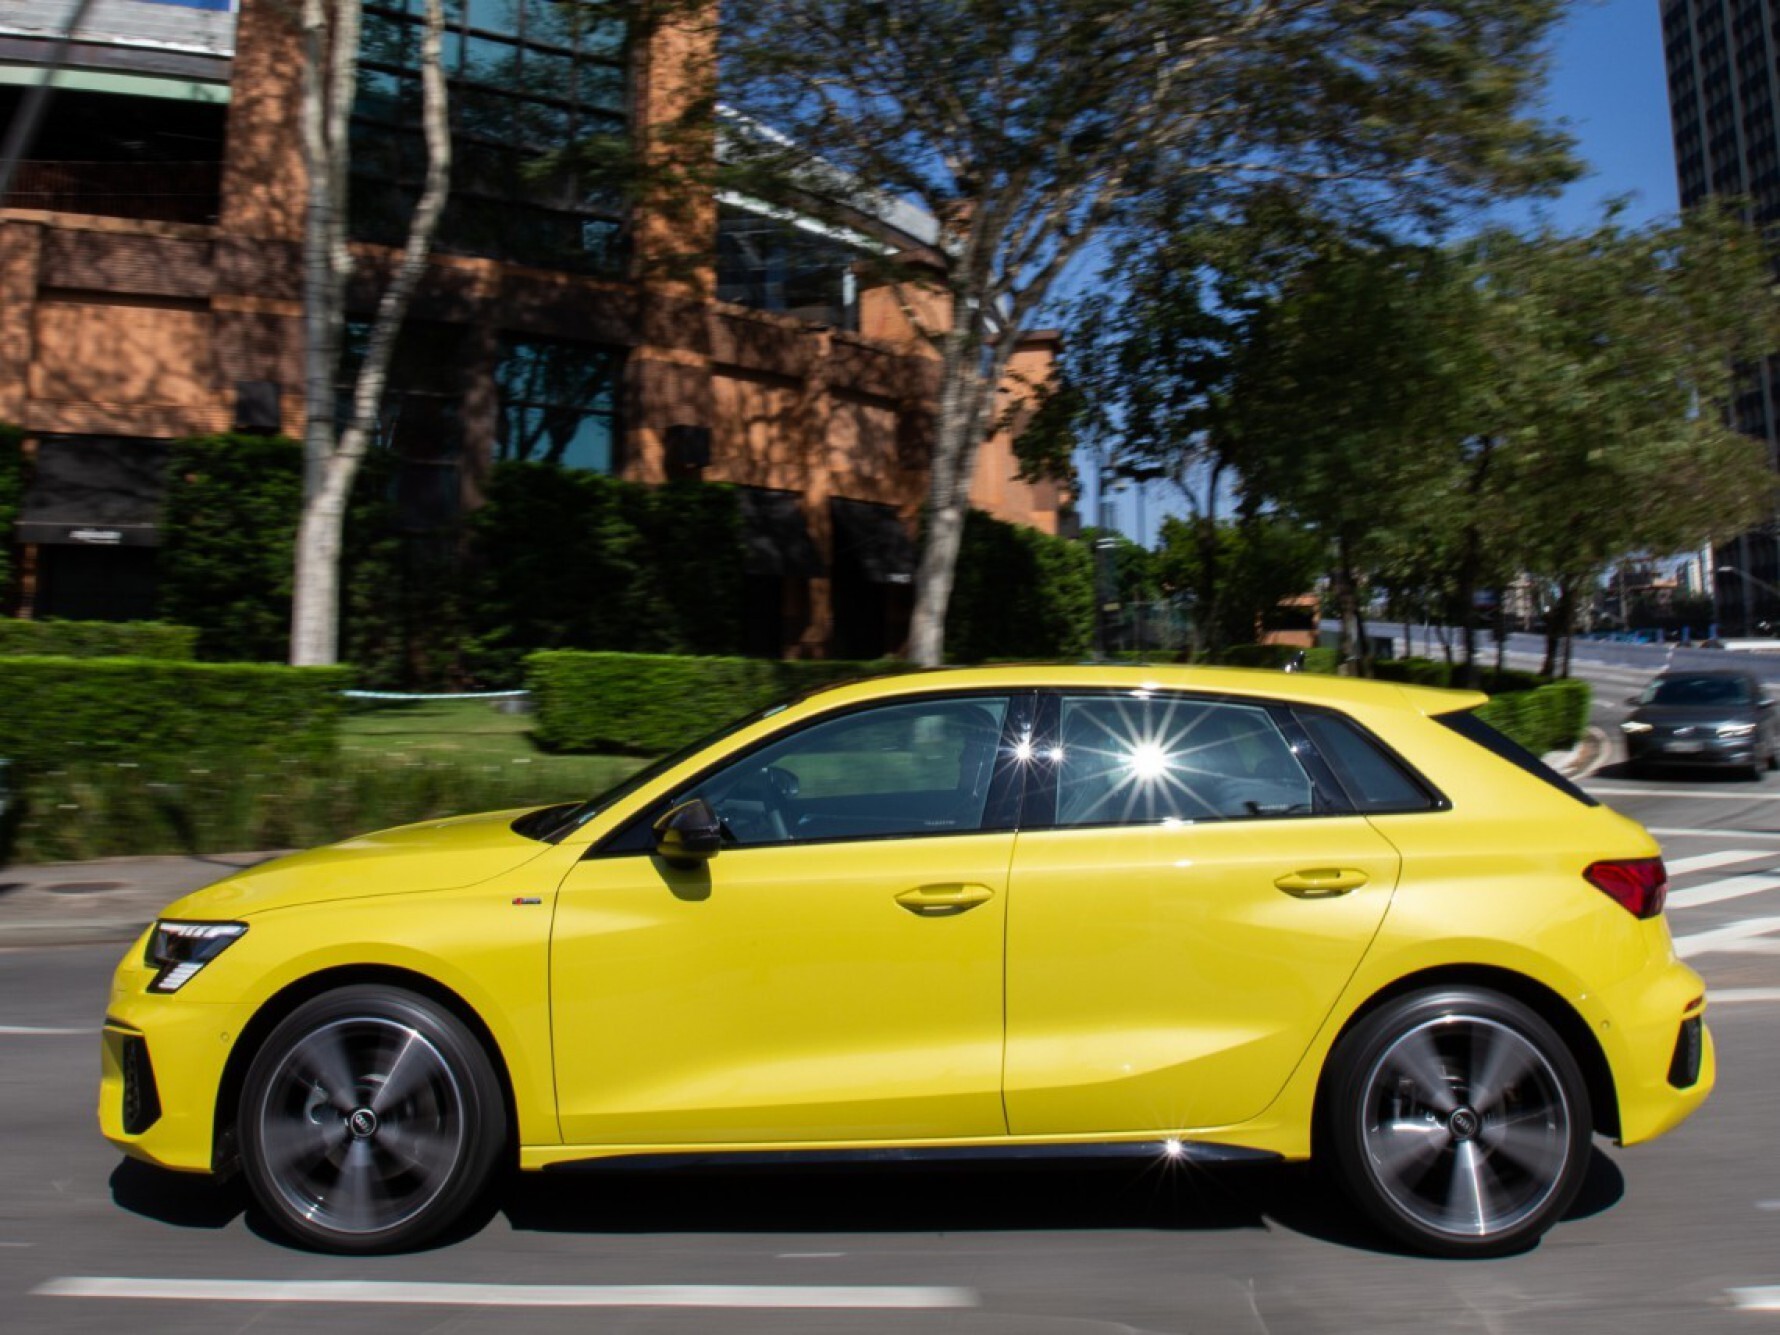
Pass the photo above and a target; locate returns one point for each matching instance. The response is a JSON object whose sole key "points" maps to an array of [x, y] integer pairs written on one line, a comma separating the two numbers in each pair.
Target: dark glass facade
{"points": [[533, 84], [1723, 60]]}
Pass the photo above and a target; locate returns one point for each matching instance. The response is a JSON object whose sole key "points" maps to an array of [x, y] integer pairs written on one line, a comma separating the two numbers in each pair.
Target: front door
{"points": [[834, 973]]}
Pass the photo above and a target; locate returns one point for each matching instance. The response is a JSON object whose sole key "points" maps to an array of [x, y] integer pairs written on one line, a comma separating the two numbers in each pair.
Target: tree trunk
{"points": [[965, 394], [331, 456]]}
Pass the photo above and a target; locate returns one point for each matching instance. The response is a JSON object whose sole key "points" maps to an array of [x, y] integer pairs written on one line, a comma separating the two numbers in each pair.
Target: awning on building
{"points": [[871, 541], [98, 491], [775, 539]]}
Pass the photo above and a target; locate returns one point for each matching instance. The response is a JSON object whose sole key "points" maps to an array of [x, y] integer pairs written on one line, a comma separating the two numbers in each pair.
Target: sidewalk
{"points": [[114, 899], [110, 900]]}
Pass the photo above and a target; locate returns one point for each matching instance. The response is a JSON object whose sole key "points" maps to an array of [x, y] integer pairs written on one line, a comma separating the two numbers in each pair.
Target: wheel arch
{"points": [[1597, 1073], [225, 1148]]}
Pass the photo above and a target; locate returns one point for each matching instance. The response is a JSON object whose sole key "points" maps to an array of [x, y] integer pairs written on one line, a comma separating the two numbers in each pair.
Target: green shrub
{"points": [[229, 526], [1019, 595], [1259, 655], [1321, 660], [97, 639], [649, 704], [155, 712], [12, 487], [573, 560]]}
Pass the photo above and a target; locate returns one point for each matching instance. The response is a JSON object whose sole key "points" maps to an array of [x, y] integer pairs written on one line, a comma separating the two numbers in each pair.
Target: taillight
{"points": [[1637, 885]]}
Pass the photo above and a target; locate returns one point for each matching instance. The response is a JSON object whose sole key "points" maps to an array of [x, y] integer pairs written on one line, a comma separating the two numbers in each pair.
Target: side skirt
{"points": [[1180, 1151]]}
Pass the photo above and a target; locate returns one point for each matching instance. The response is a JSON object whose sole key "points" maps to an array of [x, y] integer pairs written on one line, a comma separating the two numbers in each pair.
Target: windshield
{"points": [[1699, 690], [552, 823]]}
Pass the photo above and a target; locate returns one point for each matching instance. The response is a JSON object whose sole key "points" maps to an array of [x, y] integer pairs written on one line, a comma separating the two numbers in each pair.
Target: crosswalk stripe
{"points": [[1725, 938], [1765, 1299], [1707, 861], [357, 1292], [1731, 887]]}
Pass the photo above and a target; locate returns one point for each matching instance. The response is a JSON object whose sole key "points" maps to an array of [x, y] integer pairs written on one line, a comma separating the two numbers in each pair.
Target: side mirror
{"points": [[689, 834]]}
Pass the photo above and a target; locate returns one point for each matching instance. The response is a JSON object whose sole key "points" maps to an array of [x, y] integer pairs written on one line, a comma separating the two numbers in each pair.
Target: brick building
{"points": [[150, 288]]}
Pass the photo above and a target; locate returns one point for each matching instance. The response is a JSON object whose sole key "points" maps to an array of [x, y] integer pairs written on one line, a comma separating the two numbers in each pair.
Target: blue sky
{"points": [[1607, 82]]}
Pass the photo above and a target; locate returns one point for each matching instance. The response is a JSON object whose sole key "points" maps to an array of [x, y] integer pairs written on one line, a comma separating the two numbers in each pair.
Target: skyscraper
{"points": [[1723, 59]]}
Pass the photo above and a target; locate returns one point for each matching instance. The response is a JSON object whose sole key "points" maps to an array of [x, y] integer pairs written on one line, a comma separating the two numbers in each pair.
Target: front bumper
{"points": [[162, 1060], [1709, 752]]}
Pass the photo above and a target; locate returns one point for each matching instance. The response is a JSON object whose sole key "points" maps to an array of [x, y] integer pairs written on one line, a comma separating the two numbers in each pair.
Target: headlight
{"points": [[179, 949], [1736, 729], [1632, 725]]}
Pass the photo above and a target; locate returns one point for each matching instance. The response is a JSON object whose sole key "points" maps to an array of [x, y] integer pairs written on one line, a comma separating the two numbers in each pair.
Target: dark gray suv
{"points": [[1723, 719]]}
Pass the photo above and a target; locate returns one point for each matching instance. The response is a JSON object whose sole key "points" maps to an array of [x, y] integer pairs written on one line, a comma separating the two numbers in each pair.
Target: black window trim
{"points": [[1007, 786], [1437, 800]]}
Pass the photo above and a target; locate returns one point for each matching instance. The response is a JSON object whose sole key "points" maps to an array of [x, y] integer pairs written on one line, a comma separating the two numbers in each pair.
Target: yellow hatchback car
{"points": [[1036, 912]]}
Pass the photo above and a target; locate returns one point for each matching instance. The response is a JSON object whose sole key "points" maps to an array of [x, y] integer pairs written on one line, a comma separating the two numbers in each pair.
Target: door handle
{"points": [[1322, 882], [943, 900]]}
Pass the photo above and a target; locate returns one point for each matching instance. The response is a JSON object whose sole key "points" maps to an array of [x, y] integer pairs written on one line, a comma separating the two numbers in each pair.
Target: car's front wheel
{"points": [[1459, 1121], [370, 1121]]}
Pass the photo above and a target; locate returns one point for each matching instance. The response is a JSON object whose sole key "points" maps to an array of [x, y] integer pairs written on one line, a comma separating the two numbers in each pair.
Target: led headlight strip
{"points": [[177, 950]]}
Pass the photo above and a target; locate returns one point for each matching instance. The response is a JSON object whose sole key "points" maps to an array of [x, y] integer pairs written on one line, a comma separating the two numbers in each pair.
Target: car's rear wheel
{"points": [[1459, 1121], [370, 1121]]}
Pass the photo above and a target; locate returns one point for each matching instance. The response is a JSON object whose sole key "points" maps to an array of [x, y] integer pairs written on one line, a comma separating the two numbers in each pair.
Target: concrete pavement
{"points": [[108, 900]]}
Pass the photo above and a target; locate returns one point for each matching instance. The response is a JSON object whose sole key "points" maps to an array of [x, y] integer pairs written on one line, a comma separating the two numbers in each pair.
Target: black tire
{"points": [[1458, 1121], [370, 1121]]}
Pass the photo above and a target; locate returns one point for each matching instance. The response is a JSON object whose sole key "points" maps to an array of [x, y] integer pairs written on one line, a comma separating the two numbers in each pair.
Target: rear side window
{"points": [[1374, 780], [1474, 729]]}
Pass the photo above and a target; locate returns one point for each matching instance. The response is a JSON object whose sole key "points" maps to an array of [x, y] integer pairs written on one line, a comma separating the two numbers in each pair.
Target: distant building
{"points": [[150, 288], [1723, 59]]}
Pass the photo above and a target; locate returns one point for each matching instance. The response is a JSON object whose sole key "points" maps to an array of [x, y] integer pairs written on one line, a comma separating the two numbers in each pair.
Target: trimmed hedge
{"points": [[157, 713], [1550, 718], [97, 639], [653, 703]]}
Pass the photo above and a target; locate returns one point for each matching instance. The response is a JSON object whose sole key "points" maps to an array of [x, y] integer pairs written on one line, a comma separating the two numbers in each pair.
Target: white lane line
{"points": [[36, 1030], [1765, 1299], [1731, 996], [1735, 936], [1678, 832], [510, 1295], [1707, 861], [1716, 892]]}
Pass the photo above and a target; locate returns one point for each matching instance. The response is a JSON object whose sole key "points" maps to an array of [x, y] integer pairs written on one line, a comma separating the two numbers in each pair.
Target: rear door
{"points": [[1190, 892]]}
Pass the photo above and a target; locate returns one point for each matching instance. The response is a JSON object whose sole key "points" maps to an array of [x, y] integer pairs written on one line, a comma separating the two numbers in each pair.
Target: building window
{"points": [[773, 264], [528, 79], [558, 402]]}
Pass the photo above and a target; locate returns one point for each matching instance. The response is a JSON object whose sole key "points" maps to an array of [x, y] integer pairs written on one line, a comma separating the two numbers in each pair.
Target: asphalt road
{"points": [[1682, 1235]]}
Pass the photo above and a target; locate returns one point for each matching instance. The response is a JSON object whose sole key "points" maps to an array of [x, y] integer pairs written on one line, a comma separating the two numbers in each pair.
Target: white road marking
{"points": [[1735, 936], [34, 1029], [1716, 892], [1757, 1300], [808, 1256], [1676, 832], [1707, 861], [1732, 996], [509, 1295]]}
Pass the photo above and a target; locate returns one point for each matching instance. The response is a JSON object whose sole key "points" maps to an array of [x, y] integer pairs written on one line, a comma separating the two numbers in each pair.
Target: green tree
{"points": [[1261, 559], [1616, 357], [1030, 128]]}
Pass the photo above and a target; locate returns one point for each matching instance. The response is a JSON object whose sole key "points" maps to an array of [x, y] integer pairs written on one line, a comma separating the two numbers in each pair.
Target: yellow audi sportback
{"points": [[1035, 912]]}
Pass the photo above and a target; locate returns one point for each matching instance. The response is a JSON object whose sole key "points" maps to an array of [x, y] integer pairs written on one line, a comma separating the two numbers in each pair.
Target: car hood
{"points": [[431, 855]]}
